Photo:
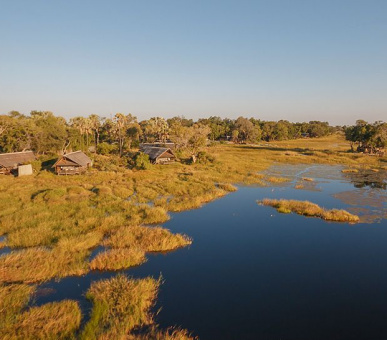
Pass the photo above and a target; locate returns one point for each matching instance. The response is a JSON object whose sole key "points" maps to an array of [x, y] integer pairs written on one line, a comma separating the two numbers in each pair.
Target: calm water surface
{"points": [[252, 273]]}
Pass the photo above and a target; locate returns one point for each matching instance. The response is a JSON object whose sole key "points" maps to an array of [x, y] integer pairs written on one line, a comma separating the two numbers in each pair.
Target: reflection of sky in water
{"points": [[4, 250], [252, 273]]}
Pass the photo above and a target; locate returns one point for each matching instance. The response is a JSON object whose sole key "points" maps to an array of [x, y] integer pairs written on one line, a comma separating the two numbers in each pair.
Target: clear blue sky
{"points": [[290, 59]]}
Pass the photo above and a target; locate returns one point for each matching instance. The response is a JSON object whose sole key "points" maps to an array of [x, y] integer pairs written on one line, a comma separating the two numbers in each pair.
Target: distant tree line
{"points": [[366, 137], [45, 133]]}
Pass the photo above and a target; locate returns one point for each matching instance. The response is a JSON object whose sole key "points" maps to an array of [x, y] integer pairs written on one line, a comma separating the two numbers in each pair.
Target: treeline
{"points": [[370, 138], [44, 132]]}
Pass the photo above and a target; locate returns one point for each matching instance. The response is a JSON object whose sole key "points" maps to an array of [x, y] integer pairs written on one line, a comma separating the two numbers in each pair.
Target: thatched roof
{"points": [[154, 152], [13, 159], [77, 157]]}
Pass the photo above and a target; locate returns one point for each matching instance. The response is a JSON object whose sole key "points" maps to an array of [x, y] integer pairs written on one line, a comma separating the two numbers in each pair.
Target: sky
{"points": [[298, 60]]}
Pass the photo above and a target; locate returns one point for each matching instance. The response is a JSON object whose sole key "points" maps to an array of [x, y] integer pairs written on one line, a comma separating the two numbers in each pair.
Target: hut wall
{"points": [[24, 170]]}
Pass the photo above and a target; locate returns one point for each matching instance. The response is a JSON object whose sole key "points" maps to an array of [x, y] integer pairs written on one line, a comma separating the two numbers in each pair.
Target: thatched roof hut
{"points": [[159, 155], [10, 161], [73, 163]]}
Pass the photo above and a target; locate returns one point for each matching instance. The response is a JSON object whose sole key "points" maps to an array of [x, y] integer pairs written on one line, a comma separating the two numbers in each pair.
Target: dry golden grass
{"points": [[169, 334], [13, 298], [119, 305], [40, 264], [350, 171], [307, 208], [273, 179], [146, 238], [227, 187], [61, 218], [116, 259], [57, 320]]}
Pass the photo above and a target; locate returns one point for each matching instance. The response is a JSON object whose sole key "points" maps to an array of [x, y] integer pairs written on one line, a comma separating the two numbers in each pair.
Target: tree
{"points": [[247, 131], [156, 128], [121, 125], [49, 132], [84, 127], [95, 125], [198, 134]]}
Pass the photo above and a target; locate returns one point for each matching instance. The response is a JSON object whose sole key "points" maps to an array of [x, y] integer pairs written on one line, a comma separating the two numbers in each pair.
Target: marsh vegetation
{"points": [[309, 209], [52, 224]]}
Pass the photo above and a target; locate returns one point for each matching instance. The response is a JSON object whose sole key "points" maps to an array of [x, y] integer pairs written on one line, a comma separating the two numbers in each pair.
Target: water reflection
{"points": [[375, 179]]}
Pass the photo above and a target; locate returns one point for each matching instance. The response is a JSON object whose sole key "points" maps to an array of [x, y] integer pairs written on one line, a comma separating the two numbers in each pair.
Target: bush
{"points": [[106, 148], [142, 162], [205, 158]]}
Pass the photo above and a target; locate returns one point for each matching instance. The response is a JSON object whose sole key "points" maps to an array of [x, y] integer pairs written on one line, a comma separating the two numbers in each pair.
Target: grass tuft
{"points": [[119, 305], [41, 264], [147, 239], [307, 208], [116, 259], [56, 320], [227, 187]]}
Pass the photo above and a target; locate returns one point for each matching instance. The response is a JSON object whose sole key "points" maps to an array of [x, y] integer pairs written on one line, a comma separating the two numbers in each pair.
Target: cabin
{"points": [[9, 162], [159, 155], [73, 163]]}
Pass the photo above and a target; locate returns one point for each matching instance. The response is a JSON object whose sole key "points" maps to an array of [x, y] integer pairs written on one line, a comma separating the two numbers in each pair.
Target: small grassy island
{"points": [[310, 209]]}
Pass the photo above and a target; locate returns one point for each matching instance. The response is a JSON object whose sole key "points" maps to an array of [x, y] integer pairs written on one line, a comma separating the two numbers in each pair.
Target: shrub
{"points": [[204, 158], [106, 148], [142, 162]]}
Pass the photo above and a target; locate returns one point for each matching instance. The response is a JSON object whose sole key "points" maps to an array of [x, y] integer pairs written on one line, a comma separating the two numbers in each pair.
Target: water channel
{"points": [[252, 273]]}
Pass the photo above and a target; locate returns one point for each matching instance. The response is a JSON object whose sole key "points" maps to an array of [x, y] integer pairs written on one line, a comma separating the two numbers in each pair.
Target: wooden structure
{"points": [[159, 155], [168, 144], [9, 162], [73, 163], [24, 170]]}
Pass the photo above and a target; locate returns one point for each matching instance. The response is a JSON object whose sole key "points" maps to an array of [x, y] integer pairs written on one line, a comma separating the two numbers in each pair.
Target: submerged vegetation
{"points": [[307, 208]]}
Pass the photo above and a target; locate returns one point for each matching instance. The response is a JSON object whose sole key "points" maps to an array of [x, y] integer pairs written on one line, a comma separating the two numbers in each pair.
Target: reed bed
{"points": [[227, 187], [53, 222], [119, 305], [13, 298], [345, 171], [41, 264], [146, 238], [310, 209], [56, 320], [116, 259], [169, 334], [275, 180]]}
